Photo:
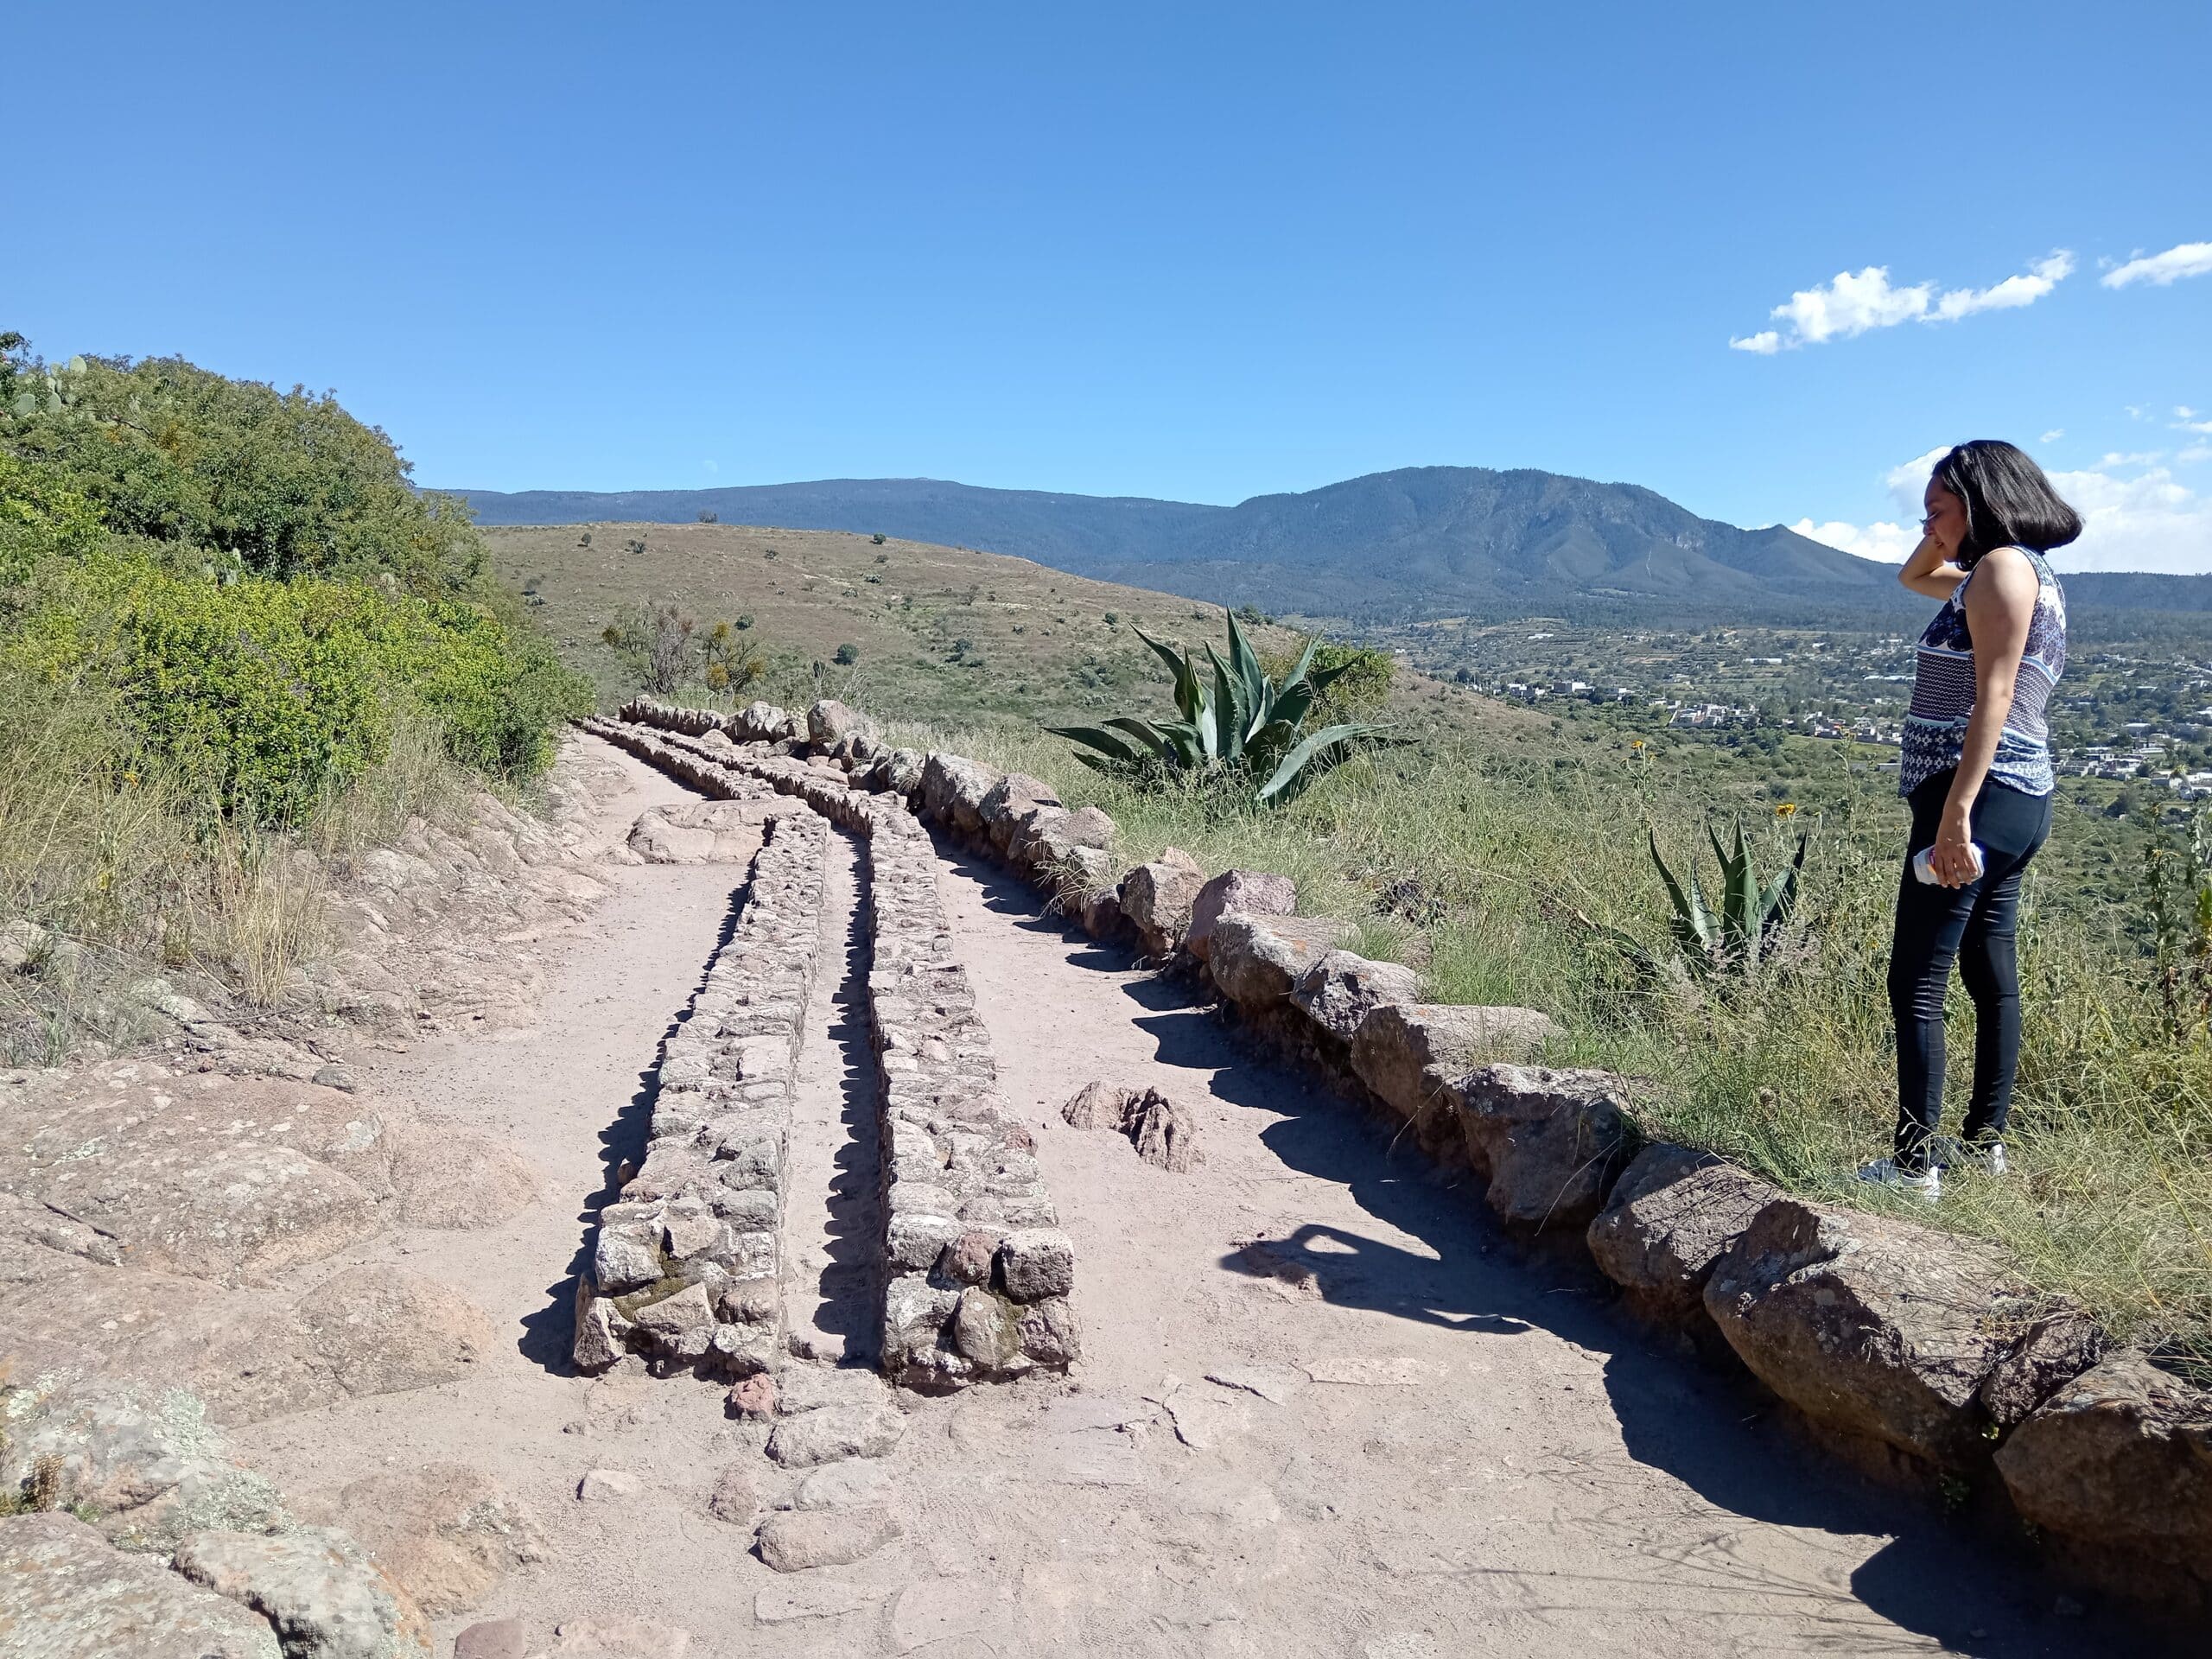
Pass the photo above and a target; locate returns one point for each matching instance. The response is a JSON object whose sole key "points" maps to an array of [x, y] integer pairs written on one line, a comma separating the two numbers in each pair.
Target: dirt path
{"points": [[1496, 1464]]}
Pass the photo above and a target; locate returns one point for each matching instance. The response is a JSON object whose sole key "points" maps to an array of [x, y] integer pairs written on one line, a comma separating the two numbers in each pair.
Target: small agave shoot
{"points": [[1242, 721], [1742, 934]]}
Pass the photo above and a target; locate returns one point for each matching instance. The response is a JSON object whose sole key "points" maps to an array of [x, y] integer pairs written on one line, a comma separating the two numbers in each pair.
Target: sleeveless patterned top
{"points": [[1943, 691]]}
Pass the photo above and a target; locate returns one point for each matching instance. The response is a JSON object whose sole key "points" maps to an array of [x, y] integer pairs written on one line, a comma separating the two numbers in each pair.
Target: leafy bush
{"points": [[265, 699], [848, 655]]}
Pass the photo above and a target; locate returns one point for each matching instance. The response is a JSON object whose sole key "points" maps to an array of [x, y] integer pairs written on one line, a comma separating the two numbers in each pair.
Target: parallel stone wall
{"points": [[1909, 1349], [687, 1266], [977, 1275]]}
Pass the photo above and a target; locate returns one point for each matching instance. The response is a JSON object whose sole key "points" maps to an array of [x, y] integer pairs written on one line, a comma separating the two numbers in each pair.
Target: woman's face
{"points": [[1946, 520]]}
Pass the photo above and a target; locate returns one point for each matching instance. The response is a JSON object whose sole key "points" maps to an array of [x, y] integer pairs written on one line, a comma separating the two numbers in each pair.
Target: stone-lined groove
{"points": [[978, 1275], [687, 1265]]}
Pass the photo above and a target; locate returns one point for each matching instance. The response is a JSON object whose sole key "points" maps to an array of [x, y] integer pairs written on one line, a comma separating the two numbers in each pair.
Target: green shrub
{"points": [[848, 655]]}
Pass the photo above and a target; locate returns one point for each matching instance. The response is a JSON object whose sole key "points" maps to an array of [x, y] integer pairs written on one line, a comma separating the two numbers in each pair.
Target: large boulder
{"points": [[2117, 1465], [1411, 1053], [327, 1600], [954, 788], [900, 771], [763, 722], [1255, 960], [1550, 1142], [67, 1593], [1888, 1332], [1156, 899], [829, 723], [1340, 990], [1256, 893], [1673, 1214]]}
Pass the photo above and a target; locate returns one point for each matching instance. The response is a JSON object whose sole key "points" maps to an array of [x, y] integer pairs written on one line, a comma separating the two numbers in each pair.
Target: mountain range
{"points": [[1396, 546]]}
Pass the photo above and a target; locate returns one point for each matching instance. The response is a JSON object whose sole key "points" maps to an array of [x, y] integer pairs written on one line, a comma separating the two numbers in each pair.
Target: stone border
{"points": [[1911, 1350], [978, 1275], [687, 1268]]}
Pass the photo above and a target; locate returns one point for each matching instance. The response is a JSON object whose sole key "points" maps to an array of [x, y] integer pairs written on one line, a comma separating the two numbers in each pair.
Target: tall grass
{"points": [[126, 872], [1507, 873]]}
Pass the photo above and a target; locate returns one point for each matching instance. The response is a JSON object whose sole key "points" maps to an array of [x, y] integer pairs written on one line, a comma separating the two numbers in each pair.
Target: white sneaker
{"points": [[1986, 1156], [1884, 1172]]}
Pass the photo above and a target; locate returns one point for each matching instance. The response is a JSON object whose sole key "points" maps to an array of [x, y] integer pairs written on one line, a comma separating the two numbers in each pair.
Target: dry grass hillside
{"points": [[938, 631]]}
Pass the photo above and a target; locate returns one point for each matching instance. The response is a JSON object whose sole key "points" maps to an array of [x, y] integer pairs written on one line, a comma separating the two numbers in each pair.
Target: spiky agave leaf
{"points": [[1321, 751], [1692, 923]]}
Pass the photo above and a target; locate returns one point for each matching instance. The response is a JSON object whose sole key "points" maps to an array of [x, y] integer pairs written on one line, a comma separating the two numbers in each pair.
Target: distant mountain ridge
{"points": [[1418, 541]]}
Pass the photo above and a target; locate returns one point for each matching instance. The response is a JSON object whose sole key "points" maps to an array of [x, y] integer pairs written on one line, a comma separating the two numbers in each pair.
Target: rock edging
{"points": [[1877, 1331]]}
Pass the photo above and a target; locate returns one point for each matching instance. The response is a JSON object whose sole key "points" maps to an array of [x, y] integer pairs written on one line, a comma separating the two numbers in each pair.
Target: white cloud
{"points": [[2009, 295], [2189, 259], [2053, 435], [2146, 522], [2184, 412], [1853, 304], [2205, 427], [1888, 543], [2139, 458]]}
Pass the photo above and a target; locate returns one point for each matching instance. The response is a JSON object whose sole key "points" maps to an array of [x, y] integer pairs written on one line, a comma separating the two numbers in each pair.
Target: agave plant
{"points": [[1236, 718], [1736, 938]]}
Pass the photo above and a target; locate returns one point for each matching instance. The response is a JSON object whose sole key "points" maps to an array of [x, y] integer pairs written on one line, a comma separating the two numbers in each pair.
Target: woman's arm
{"points": [[1999, 607], [1929, 570]]}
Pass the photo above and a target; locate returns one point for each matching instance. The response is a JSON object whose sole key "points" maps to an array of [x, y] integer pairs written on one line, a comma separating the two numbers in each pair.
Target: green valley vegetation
{"points": [[227, 624]]}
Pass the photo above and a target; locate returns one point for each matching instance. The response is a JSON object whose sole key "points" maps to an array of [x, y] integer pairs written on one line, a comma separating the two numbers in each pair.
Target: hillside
{"points": [[938, 631], [1418, 541], [1391, 547]]}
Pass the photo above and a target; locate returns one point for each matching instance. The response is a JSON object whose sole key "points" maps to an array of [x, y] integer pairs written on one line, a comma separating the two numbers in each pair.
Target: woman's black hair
{"points": [[2008, 500]]}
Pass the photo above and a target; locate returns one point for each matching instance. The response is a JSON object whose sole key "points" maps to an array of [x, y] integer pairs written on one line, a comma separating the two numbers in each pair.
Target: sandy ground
{"points": [[1423, 1446]]}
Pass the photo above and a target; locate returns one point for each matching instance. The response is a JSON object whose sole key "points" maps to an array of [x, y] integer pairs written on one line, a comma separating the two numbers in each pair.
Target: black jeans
{"points": [[1973, 926]]}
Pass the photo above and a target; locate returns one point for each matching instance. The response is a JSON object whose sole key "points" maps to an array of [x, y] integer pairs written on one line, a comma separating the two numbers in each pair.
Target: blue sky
{"points": [[1193, 251]]}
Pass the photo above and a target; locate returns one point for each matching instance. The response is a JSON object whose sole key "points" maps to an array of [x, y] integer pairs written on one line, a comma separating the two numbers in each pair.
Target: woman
{"points": [[1976, 772]]}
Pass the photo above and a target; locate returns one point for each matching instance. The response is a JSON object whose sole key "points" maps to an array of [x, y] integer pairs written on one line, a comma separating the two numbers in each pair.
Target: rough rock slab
{"points": [[1156, 899], [144, 1461], [448, 1534], [492, 1638], [794, 1540], [326, 1598], [1255, 960], [1549, 1142], [703, 832], [830, 1433], [1255, 892], [607, 1485], [1881, 1329], [1340, 990], [67, 1593], [1410, 1053], [1277, 1384], [2118, 1463], [1673, 1214]]}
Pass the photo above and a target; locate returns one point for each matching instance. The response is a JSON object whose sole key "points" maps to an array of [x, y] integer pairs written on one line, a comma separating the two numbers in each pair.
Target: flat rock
{"points": [[734, 1498], [492, 1638], [327, 1600], [1549, 1142], [783, 1604], [447, 1533], [828, 1433], [1671, 1216], [808, 1387], [2118, 1464], [703, 832], [1881, 1329], [835, 1485], [608, 1485], [1255, 892], [1367, 1370], [794, 1540], [67, 1593]]}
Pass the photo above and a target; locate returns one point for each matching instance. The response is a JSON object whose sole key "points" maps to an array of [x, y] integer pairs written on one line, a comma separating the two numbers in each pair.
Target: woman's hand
{"points": [[1951, 859]]}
